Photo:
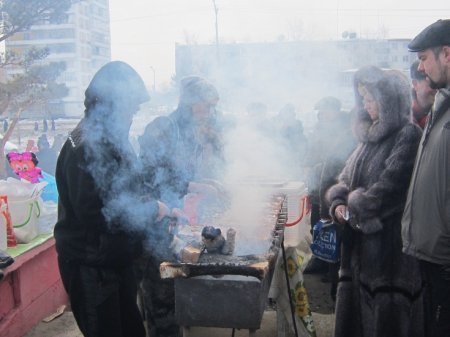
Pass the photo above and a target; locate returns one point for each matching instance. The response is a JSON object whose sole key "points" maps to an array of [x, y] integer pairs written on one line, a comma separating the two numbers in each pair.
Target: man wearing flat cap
{"points": [[426, 218]]}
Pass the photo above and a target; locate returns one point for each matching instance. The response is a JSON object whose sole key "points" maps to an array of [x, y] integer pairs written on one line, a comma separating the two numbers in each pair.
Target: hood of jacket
{"points": [[392, 94]]}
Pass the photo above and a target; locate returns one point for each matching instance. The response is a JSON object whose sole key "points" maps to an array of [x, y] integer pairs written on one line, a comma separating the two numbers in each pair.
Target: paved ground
{"points": [[64, 325]]}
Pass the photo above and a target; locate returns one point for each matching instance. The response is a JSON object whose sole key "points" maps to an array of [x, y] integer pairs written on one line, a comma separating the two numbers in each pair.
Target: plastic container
{"points": [[3, 233], [6, 216], [190, 208], [298, 226]]}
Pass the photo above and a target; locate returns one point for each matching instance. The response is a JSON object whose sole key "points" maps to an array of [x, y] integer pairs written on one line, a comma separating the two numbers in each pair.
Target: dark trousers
{"points": [[159, 300], [103, 300], [437, 299]]}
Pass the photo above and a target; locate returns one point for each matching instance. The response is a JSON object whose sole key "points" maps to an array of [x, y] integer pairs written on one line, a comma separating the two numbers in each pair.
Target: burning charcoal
{"points": [[212, 239], [228, 247]]}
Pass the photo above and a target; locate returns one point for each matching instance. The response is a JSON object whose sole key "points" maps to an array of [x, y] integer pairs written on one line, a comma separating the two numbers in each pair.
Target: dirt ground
{"points": [[318, 294]]}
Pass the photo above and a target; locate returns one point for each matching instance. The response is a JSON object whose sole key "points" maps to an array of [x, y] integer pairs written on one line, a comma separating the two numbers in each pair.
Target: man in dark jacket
{"points": [[199, 146], [46, 155], [101, 216], [426, 220], [176, 151], [330, 146]]}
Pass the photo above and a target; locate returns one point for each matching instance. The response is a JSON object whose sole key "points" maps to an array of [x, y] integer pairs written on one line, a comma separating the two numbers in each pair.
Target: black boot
{"points": [[333, 291], [5, 259]]}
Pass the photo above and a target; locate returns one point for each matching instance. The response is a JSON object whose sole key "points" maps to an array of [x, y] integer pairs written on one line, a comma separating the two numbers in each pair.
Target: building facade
{"points": [[82, 42]]}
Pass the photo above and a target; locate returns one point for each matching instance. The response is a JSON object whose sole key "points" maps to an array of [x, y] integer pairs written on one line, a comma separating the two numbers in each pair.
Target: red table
{"points": [[31, 288]]}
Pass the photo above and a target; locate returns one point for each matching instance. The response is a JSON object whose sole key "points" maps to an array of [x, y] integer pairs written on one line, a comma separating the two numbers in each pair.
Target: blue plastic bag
{"points": [[325, 244], [50, 192]]}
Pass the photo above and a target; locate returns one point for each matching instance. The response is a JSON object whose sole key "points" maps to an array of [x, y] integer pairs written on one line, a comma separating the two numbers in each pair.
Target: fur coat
{"points": [[379, 291]]}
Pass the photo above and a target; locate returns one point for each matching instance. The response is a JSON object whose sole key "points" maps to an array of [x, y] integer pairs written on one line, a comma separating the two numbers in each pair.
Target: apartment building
{"points": [[82, 41]]}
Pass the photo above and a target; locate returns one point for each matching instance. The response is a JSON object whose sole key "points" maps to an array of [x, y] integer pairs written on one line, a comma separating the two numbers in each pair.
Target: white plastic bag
{"points": [[24, 216], [48, 218], [23, 204]]}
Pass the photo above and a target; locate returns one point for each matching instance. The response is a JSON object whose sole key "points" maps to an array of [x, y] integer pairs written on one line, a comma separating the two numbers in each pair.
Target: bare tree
{"points": [[35, 85], [20, 15]]}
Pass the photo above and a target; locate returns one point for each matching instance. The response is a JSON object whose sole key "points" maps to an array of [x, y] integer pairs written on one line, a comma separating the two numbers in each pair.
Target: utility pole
{"points": [[216, 11], [154, 78]]}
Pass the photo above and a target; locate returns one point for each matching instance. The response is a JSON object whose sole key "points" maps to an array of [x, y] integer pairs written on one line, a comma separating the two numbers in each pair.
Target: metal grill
{"points": [[227, 291]]}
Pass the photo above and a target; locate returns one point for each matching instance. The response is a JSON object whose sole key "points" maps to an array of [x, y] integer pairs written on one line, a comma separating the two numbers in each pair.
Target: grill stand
{"points": [[227, 302]]}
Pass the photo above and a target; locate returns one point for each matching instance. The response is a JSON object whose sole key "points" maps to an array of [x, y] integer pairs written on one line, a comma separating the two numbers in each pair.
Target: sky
{"points": [[144, 32]]}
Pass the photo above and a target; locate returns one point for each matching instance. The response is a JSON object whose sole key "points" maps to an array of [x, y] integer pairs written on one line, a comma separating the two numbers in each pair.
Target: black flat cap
{"points": [[436, 34]]}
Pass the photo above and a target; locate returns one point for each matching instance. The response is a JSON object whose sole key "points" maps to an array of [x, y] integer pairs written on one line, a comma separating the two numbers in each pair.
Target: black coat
{"points": [[86, 231], [330, 146], [102, 215], [199, 154]]}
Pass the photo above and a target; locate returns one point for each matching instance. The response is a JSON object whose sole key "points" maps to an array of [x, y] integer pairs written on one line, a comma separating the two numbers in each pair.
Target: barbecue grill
{"points": [[229, 291]]}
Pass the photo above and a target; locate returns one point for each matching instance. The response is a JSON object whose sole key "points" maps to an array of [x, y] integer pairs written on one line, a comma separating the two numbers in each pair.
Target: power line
{"points": [[290, 10]]}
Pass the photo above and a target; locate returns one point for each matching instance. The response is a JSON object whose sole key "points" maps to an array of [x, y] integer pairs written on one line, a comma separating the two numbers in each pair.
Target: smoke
{"points": [[262, 150], [258, 164], [254, 151]]}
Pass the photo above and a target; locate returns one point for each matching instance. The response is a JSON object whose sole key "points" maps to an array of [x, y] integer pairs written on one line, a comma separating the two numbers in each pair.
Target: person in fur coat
{"points": [[379, 290]]}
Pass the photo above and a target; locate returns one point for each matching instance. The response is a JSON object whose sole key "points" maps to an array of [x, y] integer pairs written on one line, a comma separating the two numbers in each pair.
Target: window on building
{"points": [[60, 48]]}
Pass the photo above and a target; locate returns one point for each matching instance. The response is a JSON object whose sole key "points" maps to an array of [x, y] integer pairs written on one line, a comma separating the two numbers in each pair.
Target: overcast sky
{"points": [[144, 32]]}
